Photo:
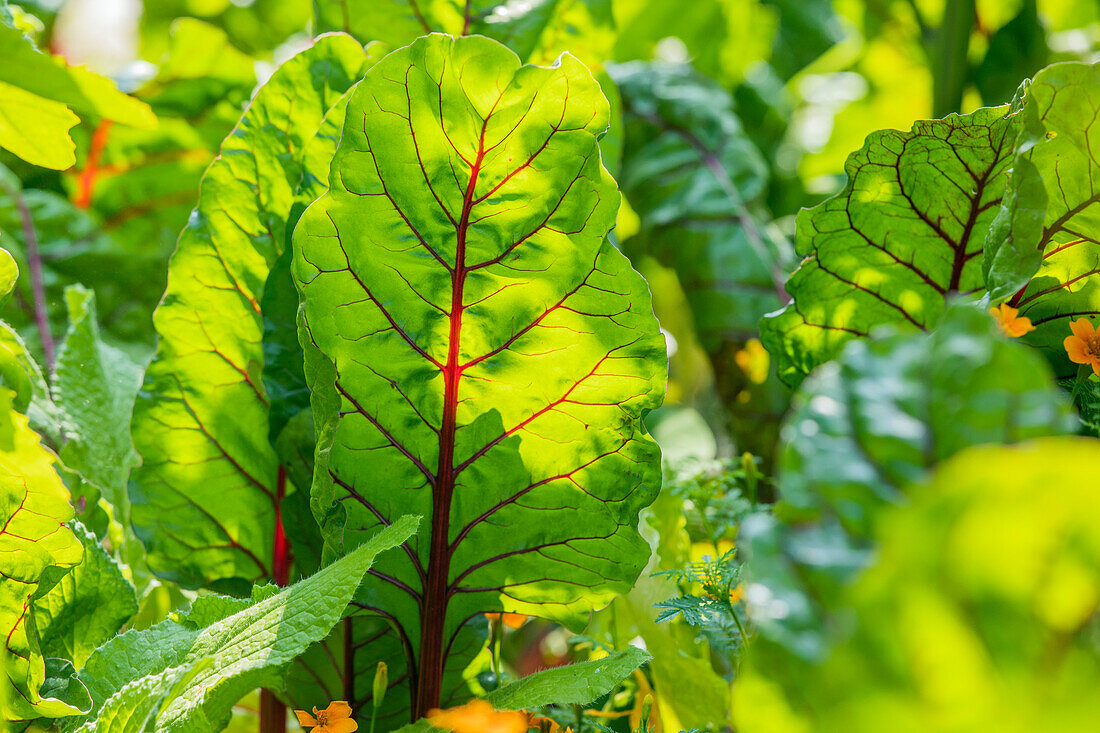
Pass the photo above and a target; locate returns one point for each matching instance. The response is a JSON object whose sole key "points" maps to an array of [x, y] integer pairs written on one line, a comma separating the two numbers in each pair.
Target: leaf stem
{"points": [[272, 709], [1082, 377], [34, 261]]}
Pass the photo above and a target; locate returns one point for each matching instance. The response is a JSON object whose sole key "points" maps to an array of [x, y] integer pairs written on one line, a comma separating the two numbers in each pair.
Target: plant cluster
{"points": [[496, 367]]}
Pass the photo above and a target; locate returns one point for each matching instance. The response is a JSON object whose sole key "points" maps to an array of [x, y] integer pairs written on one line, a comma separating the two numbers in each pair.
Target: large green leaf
{"points": [[979, 615], [205, 499], [477, 351], [1046, 242], [94, 386], [904, 234], [197, 670], [34, 544], [87, 606], [863, 430]]}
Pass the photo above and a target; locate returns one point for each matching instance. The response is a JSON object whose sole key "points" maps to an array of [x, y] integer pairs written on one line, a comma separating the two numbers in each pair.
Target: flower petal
{"points": [[1076, 349], [346, 725], [1019, 326], [1082, 328], [305, 719], [338, 709]]}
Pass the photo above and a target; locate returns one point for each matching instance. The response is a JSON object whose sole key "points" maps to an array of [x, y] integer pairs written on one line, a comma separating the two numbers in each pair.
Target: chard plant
{"points": [[497, 366]]}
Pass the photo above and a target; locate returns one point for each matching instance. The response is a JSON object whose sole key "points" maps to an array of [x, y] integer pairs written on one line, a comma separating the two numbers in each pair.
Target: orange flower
{"points": [[1010, 321], [336, 718], [478, 716], [536, 721], [1083, 346], [511, 620]]}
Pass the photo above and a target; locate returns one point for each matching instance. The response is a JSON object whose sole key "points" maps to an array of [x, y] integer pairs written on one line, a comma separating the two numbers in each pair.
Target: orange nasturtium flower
{"points": [[1010, 320], [1083, 346], [478, 716], [511, 620], [336, 718]]}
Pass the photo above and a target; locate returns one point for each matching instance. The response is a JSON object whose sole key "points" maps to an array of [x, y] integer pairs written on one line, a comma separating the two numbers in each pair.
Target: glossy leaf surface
{"points": [[478, 352]]}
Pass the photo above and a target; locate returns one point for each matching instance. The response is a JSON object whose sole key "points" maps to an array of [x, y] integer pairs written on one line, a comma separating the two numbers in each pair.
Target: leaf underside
{"points": [[478, 352]]}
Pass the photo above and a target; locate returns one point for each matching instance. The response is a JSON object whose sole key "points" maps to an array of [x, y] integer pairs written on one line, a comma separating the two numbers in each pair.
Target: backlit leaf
{"points": [[905, 233], [34, 541], [204, 500], [979, 614], [477, 351]]}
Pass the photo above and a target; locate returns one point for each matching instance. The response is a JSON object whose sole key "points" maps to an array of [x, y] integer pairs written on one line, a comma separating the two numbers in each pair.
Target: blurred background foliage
{"points": [[731, 116]]}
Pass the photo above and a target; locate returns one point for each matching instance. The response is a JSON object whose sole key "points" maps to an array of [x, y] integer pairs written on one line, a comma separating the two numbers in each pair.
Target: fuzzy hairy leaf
{"points": [[204, 501], [477, 351], [863, 430], [94, 386], [87, 606], [245, 646], [905, 233], [35, 547]]}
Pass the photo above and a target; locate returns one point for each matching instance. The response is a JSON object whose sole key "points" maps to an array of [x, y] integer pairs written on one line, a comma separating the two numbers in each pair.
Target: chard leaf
{"points": [[904, 234], [1048, 238], [94, 386], [87, 606], [196, 674], [204, 502], [35, 547], [863, 429], [477, 351]]}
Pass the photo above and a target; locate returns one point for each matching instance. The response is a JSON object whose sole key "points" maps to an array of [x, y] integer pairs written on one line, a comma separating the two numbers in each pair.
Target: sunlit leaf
{"points": [[477, 351], [87, 606], [1046, 240], [205, 498], [35, 544], [904, 234], [94, 386]]}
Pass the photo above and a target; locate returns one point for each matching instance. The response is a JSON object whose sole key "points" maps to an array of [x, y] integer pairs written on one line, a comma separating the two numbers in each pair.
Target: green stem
{"points": [[1082, 377], [498, 632]]}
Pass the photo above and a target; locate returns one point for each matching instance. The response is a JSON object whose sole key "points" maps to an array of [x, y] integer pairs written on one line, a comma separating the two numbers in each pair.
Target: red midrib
{"points": [[433, 607]]}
